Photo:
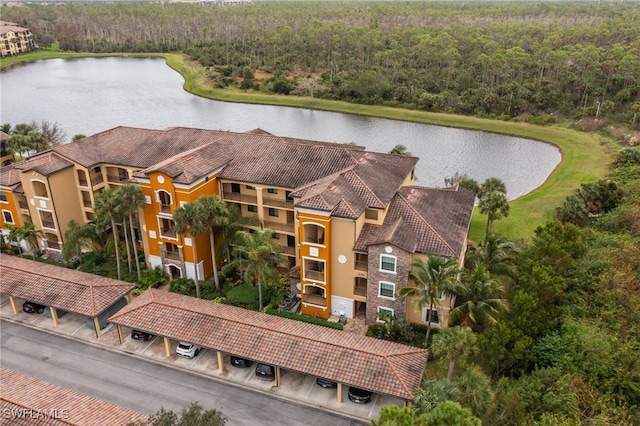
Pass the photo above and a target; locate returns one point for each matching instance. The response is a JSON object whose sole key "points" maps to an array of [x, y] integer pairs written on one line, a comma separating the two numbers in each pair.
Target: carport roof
{"points": [[62, 288], [365, 362], [21, 393]]}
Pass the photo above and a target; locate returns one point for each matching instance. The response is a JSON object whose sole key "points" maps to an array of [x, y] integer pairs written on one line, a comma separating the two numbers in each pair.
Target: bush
{"points": [[305, 318], [628, 157]]}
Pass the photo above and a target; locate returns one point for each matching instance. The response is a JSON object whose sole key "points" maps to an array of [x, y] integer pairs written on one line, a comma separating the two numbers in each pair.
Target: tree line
{"points": [[545, 60]]}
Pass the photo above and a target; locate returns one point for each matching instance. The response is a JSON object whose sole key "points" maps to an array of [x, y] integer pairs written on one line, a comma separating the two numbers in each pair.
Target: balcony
{"points": [[277, 202], [168, 233], [289, 251], [314, 275], [280, 226], [172, 255], [360, 266], [242, 198], [315, 299], [165, 208], [48, 224], [360, 290]]}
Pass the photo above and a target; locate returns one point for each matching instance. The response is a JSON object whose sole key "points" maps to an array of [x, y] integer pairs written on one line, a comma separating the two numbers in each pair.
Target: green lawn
{"points": [[585, 155]]}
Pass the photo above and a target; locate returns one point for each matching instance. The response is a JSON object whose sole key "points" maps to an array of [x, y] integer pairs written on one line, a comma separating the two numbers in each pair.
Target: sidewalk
{"points": [[295, 387]]}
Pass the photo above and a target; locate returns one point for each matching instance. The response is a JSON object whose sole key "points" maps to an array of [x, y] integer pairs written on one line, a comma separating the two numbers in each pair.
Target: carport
{"points": [[59, 288], [349, 359]]}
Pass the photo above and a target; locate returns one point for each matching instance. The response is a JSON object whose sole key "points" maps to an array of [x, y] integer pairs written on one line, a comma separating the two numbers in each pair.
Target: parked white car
{"points": [[188, 349]]}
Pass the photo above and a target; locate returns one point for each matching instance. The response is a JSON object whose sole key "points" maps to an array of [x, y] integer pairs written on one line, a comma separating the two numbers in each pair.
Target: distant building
{"points": [[14, 39]]}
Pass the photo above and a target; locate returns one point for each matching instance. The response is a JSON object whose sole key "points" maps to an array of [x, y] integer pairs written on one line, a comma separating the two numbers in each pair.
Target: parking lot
{"points": [[295, 387]]}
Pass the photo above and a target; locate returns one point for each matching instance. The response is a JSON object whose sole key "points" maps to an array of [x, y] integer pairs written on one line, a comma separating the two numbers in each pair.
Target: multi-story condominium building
{"points": [[14, 39], [350, 221]]}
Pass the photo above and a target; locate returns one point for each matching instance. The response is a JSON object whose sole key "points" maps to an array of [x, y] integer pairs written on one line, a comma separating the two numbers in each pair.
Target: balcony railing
{"points": [[314, 275], [168, 233], [117, 178], [243, 198], [360, 290], [315, 299], [165, 208], [360, 266], [289, 250], [173, 255], [276, 202], [48, 224], [280, 226], [23, 204], [83, 182], [86, 203]]}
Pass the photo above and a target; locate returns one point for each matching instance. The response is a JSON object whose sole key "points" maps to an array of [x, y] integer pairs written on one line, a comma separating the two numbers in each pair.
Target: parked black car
{"points": [[359, 396], [236, 361], [326, 383], [265, 371], [33, 308], [141, 335]]}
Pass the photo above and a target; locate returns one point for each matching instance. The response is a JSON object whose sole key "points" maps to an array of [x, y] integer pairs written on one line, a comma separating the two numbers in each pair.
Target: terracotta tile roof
{"points": [[45, 163], [62, 288], [32, 400], [349, 358], [4, 136], [135, 147], [9, 176], [424, 220], [370, 182], [189, 166]]}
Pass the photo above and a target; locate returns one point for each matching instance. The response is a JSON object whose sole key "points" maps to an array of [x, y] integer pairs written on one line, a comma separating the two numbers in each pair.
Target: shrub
{"points": [[305, 318]]}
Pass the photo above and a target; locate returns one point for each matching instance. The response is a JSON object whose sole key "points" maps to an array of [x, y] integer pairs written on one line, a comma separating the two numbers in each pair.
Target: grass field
{"points": [[585, 156]]}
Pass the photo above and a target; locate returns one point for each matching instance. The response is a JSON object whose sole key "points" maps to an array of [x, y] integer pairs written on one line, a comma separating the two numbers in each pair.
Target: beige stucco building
{"points": [[350, 221], [14, 39]]}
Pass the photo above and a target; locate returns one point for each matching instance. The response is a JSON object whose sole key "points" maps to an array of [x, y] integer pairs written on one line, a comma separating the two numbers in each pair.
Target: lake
{"points": [[90, 95]]}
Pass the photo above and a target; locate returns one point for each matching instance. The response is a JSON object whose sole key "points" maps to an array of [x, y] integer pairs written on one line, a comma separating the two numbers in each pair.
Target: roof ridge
{"points": [[277, 318], [371, 192]]}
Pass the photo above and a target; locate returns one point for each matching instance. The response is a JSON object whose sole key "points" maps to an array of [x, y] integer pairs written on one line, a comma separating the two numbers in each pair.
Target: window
{"points": [[7, 216], [371, 214], [288, 197], [434, 316], [291, 241], [313, 233], [249, 187], [46, 218], [275, 236], [273, 212], [252, 208], [387, 263], [272, 191], [3, 196], [235, 188], [387, 290], [383, 311]]}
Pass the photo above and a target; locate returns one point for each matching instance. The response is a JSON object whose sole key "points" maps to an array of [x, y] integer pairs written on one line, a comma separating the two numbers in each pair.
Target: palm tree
{"points": [[432, 393], [132, 199], [479, 301], [497, 254], [492, 184], [474, 388], [229, 230], [260, 255], [108, 209], [453, 343], [400, 150], [27, 233], [495, 205], [190, 219], [78, 237], [217, 218], [431, 278]]}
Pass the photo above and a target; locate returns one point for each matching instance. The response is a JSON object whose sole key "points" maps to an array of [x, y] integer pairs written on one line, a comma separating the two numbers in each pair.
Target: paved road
{"points": [[142, 385]]}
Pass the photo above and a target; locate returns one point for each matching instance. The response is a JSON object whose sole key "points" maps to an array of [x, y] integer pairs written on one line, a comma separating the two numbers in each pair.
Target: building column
{"points": [[277, 376], [54, 316], [220, 361], [13, 305], [260, 207], [339, 393], [96, 325], [120, 334], [167, 346]]}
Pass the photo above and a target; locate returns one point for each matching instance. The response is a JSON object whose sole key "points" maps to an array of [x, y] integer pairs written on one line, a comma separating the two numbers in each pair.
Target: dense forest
{"points": [[535, 61], [566, 352]]}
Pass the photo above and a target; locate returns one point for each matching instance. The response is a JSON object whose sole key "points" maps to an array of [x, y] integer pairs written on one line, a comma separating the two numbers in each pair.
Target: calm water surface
{"points": [[87, 96]]}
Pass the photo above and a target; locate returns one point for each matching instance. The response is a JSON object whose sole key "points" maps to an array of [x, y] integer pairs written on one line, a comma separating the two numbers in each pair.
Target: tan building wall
{"points": [[14, 39]]}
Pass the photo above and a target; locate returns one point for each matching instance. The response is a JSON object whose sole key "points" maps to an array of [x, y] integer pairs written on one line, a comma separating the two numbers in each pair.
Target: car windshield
{"points": [[184, 346]]}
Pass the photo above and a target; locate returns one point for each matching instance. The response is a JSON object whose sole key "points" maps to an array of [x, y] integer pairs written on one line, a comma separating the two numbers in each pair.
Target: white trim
{"points": [[395, 263], [314, 212], [13, 221], [381, 296], [383, 308]]}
